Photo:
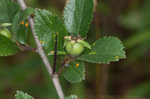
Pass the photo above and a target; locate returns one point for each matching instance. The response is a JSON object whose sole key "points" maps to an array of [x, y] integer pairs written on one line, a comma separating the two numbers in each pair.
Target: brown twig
{"points": [[101, 69], [25, 47], [67, 60], [41, 52]]}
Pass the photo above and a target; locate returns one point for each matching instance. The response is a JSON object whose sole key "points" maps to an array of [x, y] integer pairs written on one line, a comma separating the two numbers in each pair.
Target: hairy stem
{"points": [[41, 52]]}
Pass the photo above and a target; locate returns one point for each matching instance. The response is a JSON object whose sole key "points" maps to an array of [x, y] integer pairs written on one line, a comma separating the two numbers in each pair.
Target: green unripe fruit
{"points": [[74, 48], [5, 32]]}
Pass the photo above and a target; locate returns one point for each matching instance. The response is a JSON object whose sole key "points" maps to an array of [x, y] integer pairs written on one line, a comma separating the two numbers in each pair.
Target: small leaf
{"points": [[5, 32], [8, 9], [71, 97], [46, 26], [78, 15], [20, 25], [75, 72], [5, 24], [85, 44], [7, 47], [27, 12], [105, 50], [22, 95]]}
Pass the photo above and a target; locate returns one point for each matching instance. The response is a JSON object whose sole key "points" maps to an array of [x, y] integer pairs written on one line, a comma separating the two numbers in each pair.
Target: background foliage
{"points": [[127, 79]]}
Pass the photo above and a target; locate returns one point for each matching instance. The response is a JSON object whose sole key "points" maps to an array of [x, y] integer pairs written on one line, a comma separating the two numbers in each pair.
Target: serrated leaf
{"points": [[7, 47], [8, 9], [105, 50], [71, 97], [78, 15], [46, 26], [20, 26], [22, 95], [75, 72]]}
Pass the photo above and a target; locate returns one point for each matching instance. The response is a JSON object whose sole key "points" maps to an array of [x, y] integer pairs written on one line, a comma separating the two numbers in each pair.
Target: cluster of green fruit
{"points": [[75, 45]]}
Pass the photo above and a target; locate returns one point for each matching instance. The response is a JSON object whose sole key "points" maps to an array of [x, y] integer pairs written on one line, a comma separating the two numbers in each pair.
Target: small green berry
{"points": [[74, 48]]}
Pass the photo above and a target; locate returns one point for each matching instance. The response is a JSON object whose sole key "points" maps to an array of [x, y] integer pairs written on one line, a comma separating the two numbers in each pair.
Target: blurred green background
{"points": [[127, 79]]}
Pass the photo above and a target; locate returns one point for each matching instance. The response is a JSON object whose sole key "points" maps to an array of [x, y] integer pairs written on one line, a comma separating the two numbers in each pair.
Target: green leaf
{"points": [[5, 32], [105, 50], [8, 9], [20, 26], [27, 12], [78, 15], [71, 97], [7, 47], [85, 44], [46, 26], [22, 95], [5, 25], [75, 72]]}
